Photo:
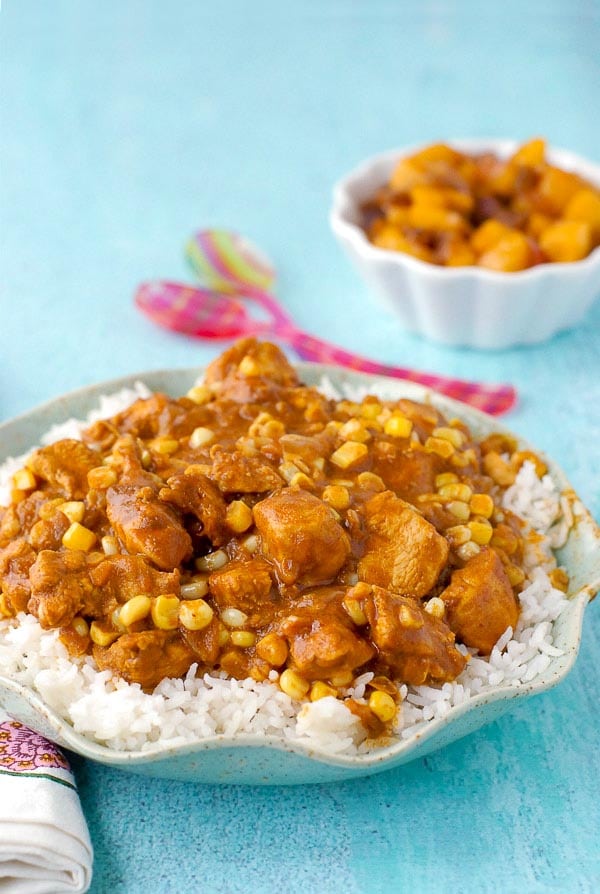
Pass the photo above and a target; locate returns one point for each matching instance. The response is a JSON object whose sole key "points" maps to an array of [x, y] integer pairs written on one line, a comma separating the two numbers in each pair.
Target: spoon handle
{"points": [[492, 399]]}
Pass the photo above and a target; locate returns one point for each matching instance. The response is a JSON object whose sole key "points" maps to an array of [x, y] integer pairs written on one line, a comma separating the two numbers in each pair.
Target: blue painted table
{"points": [[127, 125]]}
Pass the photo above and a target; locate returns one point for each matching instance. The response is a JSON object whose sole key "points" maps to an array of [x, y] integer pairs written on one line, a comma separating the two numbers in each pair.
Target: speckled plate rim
{"points": [[24, 431]]}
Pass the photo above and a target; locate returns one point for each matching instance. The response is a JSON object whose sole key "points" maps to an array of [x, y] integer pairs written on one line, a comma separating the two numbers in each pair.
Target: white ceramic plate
{"points": [[255, 759]]}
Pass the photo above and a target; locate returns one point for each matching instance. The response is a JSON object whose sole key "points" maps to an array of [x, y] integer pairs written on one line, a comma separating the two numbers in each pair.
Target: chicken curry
{"points": [[258, 528]]}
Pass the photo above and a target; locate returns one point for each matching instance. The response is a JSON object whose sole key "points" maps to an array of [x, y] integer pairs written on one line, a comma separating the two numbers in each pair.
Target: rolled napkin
{"points": [[45, 845]]}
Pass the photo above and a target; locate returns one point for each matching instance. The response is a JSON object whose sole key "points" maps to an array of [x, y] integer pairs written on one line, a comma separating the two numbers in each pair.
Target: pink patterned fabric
{"points": [[22, 750]]}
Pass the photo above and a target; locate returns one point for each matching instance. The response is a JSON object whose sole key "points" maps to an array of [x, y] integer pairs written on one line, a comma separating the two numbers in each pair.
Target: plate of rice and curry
{"points": [[279, 574]]}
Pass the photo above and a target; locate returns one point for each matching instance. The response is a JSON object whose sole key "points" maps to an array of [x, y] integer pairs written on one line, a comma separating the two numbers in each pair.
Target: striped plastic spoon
{"points": [[231, 268]]}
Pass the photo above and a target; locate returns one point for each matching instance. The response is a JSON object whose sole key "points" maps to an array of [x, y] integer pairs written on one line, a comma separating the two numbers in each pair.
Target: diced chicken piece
{"points": [[245, 585], [143, 523], [234, 472], [10, 526], [403, 552], [205, 643], [146, 657], [61, 588], [424, 417], [321, 649], [309, 449], [122, 577], [480, 602], [65, 464], [301, 537], [408, 473], [15, 561], [251, 359], [147, 418], [192, 492], [413, 646], [47, 533]]}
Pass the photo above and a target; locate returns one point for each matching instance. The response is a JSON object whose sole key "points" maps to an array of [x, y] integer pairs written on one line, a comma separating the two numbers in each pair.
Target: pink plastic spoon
{"points": [[233, 269]]}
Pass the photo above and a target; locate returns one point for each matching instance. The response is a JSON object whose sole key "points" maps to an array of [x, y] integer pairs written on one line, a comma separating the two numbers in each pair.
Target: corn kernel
{"points": [[435, 607], [199, 394], [409, 617], [460, 492], [481, 532], [319, 689], [293, 684], [248, 367], [135, 609], [250, 543], [101, 477], [265, 426], [354, 430], [382, 705], [371, 481], [109, 545], [468, 550], [458, 534], [288, 470], [239, 516], [337, 496], [440, 446], [349, 454], [459, 509], [116, 620], [341, 678], [398, 426], [515, 575], [481, 504], [194, 589], [498, 470], [24, 479], [101, 635], [272, 648], [233, 617], [80, 626], [302, 480], [505, 539], [165, 446], [243, 638], [224, 637], [47, 509], [213, 561], [73, 509], [78, 537], [195, 615], [165, 612], [454, 435], [445, 478], [370, 410], [355, 611], [200, 437]]}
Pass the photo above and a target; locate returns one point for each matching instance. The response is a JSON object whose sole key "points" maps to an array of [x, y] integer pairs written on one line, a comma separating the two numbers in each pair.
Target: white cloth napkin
{"points": [[45, 846]]}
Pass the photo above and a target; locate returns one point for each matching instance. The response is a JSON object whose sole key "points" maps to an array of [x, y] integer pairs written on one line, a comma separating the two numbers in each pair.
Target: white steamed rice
{"points": [[182, 711]]}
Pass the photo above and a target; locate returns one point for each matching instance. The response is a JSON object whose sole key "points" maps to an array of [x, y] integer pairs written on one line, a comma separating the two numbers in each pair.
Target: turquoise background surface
{"points": [[127, 125]]}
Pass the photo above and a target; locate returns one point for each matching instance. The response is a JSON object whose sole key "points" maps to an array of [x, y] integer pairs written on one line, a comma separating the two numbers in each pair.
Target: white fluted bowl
{"points": [[465, 306]]}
